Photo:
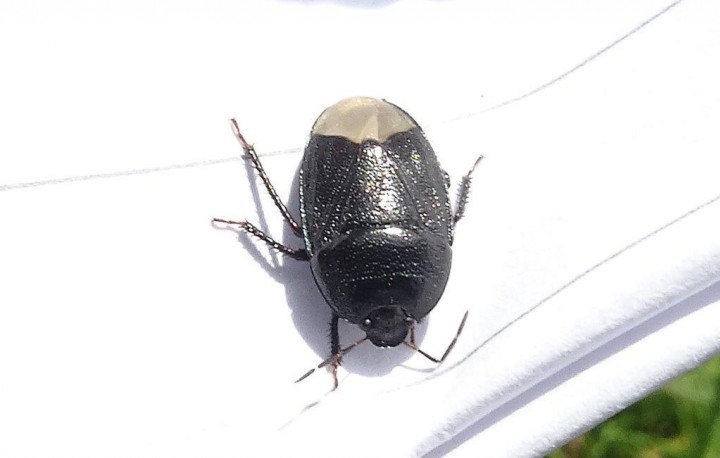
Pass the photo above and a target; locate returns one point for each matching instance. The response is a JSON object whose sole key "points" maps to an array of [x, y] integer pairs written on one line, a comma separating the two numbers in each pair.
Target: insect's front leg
{"points": [[335, 346]]}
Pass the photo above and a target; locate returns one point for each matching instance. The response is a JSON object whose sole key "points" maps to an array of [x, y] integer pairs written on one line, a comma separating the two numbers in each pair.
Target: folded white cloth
{"points": [[592, 221], [589, 258]]}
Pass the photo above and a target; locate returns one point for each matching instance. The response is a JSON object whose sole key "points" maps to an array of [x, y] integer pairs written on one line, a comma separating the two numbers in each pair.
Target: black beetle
{"points": [[376, 221]]}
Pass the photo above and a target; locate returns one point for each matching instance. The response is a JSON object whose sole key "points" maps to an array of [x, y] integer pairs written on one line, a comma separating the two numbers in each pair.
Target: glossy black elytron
{"points": [[376, 217], [376, 220]]}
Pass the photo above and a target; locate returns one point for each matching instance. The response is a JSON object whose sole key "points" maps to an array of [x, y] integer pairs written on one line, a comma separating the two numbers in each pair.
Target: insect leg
{"points": [[413, 345], [299, 254], [252, 155], [333, 359], [335, 346], [463, 192]]}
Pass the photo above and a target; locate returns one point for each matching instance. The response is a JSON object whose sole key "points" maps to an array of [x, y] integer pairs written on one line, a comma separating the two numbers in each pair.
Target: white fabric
{"points": [[589, 257]]}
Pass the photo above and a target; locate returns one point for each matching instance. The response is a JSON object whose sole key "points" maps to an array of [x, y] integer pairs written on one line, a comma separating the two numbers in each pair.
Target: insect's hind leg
{"points": [[463, 192], [299, 254], [252, 155]]}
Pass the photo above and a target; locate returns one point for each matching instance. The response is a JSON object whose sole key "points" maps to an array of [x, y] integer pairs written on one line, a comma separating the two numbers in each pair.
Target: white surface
{"points": [[129, 327]]}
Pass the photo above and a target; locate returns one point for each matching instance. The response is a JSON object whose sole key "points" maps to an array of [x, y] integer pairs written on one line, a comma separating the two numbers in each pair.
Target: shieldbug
{"points": [[376, 221]]}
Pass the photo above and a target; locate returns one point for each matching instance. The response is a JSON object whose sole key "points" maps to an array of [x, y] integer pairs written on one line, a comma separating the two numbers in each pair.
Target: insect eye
{"points": [[367, 322]]}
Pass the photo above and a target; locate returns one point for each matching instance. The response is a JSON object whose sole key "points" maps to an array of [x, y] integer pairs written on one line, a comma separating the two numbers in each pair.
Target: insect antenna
{"points": [[412, 344], [333, 359]]}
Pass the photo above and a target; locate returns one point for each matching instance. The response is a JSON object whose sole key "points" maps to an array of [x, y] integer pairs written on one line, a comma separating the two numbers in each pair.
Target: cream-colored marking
{"points": [[363, 118]]}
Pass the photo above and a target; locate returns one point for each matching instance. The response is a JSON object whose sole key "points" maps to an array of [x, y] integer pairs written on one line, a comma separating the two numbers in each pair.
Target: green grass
{"points": [[681, 419]]}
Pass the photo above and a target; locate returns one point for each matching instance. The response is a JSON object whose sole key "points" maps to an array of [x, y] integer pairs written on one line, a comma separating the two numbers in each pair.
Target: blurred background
{"points": [[680, 420]]}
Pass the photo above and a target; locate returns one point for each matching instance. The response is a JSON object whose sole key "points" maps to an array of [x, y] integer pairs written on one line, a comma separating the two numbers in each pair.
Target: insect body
{"points": [[376, 221]]}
